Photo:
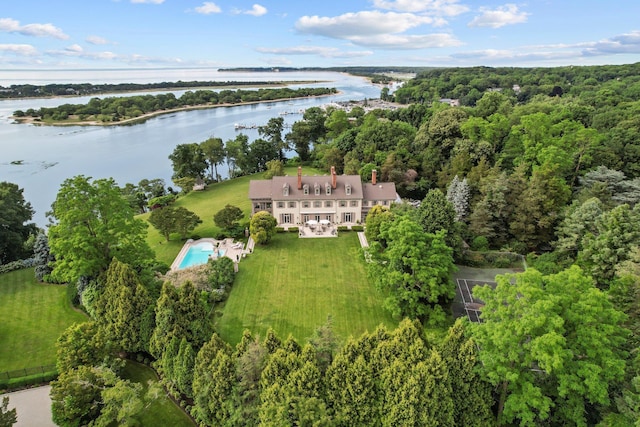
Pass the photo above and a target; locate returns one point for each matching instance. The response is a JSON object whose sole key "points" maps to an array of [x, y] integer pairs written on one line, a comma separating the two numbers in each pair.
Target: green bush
{"points": [[279, 229], [480, 243], [357, 228], [502, 262], [343, 228], [293, 229]]}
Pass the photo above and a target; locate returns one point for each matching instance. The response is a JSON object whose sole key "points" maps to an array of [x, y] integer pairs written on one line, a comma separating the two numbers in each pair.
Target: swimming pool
{"points": [[198, 254]]}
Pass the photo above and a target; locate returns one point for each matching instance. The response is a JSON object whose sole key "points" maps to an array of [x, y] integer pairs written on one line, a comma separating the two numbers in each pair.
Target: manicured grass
{"points": [[161, 412], [33, 317], [205, 204], [293, 284]]}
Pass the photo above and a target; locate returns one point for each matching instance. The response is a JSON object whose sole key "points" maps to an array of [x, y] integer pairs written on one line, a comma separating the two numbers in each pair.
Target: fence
{"points": [[28, 376]]}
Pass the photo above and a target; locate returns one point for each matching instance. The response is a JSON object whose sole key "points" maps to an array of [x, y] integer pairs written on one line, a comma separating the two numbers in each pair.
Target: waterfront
{"points": [[40, 158]]}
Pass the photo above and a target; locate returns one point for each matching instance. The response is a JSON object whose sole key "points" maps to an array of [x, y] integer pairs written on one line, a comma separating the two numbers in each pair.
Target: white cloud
{"points": [[377, 29], [400, 41], [96, 40], [19, 49], [503, 15], [360, 24], [148, 1], [76, 48], [256, 10], [9, 25], [208, 8], [326, 52], [436, 7]]}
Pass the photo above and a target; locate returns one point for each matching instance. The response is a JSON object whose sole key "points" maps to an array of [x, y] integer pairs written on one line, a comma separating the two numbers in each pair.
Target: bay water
{"points": [[40, 158]]}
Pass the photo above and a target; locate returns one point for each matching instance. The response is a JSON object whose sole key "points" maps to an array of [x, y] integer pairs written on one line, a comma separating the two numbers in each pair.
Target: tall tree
{"points": [[458, 194], [121, 308], [8, 417], [237, 151], [93, 223], [14, 229], [414, 270], [552, 345], [214, 153], [188, 161], [272, 131], [618, 231]]}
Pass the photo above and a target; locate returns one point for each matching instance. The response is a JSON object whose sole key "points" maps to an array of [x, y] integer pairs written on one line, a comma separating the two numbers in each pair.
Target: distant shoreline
{"points": [[147, 116], [233, 85]]}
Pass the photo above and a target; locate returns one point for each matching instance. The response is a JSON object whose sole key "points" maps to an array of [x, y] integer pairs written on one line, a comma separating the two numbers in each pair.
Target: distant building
{"points": [[451, 102], [340, 199]]}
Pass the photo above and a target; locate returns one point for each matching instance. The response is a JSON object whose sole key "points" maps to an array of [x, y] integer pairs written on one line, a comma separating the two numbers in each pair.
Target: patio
{"points": [[228, 247], [322, 228]]}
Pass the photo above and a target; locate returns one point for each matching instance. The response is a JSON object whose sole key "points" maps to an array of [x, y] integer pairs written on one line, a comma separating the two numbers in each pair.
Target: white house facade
{"points": [[339, 199]]}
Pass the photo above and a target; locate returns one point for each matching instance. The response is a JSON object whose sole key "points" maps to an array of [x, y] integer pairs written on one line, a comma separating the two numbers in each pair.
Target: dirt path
{"points": [[33, 406]]}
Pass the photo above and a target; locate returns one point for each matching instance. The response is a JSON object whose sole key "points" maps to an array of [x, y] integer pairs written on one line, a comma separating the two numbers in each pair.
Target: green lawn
{"points": [[205, 204], [293, 284], [33, 317], [162, 412]]}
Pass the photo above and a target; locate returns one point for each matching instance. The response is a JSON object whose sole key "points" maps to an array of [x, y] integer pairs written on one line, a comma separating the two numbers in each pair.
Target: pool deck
{"points": [[232, 249]]}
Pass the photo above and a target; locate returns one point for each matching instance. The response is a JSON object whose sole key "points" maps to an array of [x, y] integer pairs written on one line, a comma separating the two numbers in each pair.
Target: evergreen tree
{"points": [[458, 194], [183, 367], [121, 307], [472, 399], [42, 258]]}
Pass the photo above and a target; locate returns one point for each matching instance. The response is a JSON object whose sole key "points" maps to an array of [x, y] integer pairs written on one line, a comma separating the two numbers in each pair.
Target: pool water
{"points": [[198, 254]]}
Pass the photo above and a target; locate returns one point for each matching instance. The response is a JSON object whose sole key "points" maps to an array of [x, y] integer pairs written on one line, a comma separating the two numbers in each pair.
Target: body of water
{"points": [[40, 158]]}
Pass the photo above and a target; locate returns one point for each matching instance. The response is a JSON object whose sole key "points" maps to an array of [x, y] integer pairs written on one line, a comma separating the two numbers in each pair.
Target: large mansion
{"points": [[339, 199]]}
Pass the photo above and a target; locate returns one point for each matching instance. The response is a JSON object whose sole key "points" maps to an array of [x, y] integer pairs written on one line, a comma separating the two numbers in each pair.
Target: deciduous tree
{"points": [[213, 150], [228, 217], [171, 219], [93, 224], [14, 214], [551, 344]]}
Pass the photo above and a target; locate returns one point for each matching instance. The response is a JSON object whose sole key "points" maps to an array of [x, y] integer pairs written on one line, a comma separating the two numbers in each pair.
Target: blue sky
{"points": [[45, 34]]}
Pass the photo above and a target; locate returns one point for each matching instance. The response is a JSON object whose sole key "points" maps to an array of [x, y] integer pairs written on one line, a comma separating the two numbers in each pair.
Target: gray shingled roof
{"points": [[379, 191]]}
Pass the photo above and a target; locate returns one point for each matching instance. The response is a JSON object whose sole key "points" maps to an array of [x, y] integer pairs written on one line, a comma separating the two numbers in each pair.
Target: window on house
{"points": [[257, 206], [327, 189], [280, 205], [269, 205], [285, 190], [317, 204], [347, 189], [286, 218], [385, 202], [375, 202], [292, 204], [317, 189], [354, 204], [343, 203], [328, 204], [305, 204], [347, 217], [305, 189]]}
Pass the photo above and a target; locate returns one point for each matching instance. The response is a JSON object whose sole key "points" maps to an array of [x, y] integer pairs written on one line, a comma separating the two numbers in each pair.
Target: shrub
{"points": [[293, 229], [357, 228], [480, 243], [279, 229], [343, 228], [502, 262]]}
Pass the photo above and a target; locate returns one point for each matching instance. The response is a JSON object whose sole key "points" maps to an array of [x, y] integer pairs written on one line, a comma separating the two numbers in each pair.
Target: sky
{"points": [[121, 34]]}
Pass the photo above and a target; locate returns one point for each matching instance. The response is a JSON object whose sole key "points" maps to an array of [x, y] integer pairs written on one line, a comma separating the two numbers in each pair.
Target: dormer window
{"points": [[305, 189], [327, 188], [316, 187], [285, 190], [347, 189]]}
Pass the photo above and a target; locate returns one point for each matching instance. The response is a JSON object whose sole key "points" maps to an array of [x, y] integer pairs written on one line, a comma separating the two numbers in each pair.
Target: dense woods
{"points": [[541, 162]]}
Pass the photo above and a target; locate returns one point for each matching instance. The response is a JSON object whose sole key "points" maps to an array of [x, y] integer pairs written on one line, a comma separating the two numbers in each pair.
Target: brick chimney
{"points": [[334, 178], [299, 177], [373, 177]]}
